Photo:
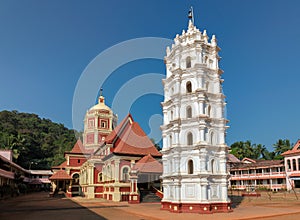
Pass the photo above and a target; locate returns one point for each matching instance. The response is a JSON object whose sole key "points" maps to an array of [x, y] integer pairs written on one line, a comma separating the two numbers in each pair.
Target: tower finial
{"points": [[191, 14], [101, 98]]}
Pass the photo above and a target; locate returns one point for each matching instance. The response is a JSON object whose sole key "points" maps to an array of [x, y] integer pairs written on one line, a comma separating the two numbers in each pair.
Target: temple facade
{"points": [[194, 151], [114, 162]]}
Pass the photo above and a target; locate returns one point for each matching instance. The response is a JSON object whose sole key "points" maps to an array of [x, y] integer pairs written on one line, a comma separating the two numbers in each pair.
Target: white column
{"points": [[117, 168]]}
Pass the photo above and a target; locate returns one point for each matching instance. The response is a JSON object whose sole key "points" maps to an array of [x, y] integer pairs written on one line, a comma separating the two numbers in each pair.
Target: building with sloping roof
{"points": [[258, 174], [11, 174], [292, 166], [114, 162]]}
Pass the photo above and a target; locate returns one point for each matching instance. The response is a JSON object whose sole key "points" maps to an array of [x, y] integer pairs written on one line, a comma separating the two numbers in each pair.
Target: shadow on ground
{"points": [[236, 200], [39, 206]]}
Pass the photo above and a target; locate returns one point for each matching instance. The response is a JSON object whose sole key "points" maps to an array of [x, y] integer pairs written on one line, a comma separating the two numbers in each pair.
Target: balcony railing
{"points": [[258, 175]]}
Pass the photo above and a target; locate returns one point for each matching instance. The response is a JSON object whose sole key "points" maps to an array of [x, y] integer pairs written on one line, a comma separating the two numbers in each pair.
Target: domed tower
{"points": [[98, 123], [194, 149]]}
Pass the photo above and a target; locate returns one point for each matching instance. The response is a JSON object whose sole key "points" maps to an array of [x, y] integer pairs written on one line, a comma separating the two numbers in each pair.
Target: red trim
{"points": [[124, 189], [134, 199], [203, 208], [159, 194]]}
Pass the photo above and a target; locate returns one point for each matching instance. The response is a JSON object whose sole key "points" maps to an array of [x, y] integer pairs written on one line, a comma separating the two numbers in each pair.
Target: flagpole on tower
{"points": [[191, 14]]}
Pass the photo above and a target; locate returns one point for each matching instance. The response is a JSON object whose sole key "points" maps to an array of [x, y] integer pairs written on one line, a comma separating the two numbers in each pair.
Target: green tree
{"points": [[242, 149], [33, 139], [280, 147], [156, 145]]}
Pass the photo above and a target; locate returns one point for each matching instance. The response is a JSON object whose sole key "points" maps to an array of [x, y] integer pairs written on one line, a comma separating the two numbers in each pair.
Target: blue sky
{"points": [[46, 45]]}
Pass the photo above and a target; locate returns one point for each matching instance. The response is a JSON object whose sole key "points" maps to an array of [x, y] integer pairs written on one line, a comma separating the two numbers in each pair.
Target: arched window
{"points": [[190, 167], [75, 178], [289, 165], [207, 85], [188, 112], [294, 165], [172, 114], [212, 138], [100, 178], [125, 174], [170, 137], [209, 110], [190, 138], [212, 165], [188, 87], [188, 62], [205, 59]]}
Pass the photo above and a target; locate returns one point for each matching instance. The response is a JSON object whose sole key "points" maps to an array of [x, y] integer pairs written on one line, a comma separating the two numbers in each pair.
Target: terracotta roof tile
{"points": [[257, 164], [7, 174], [148, 165], [80, 149], [133, 140], [62, 165], [60, 175], [112, 136], [294, 150], [232, 159]]}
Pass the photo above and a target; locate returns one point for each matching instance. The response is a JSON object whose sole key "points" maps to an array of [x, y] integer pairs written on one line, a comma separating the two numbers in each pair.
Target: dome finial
{"points": [[191, 15], [101, 98]]}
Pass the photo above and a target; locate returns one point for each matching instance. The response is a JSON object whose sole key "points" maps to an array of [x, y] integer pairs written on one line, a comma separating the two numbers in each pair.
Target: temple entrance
{"points": [[148, 186], [75, 187]]}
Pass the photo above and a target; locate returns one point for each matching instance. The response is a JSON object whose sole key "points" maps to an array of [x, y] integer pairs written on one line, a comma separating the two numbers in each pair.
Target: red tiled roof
{"points": [[62, 165], [294, 150], [232, 159], [7, 174], [133, 140], [129, 138], [60, 175], [112, 136], [249, 160], [148, 165], [80, 149], [257, 164]]}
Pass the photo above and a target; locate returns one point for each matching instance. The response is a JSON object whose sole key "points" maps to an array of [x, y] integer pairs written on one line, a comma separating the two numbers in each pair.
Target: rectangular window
{"points": [[91, 123], [103, 123]]}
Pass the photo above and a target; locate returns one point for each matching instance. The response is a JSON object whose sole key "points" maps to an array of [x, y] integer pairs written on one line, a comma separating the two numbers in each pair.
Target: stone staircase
{"points": [[149, 196]]}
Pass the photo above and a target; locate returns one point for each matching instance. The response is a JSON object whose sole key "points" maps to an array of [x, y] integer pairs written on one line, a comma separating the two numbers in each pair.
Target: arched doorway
{"points": [[75, 186]]}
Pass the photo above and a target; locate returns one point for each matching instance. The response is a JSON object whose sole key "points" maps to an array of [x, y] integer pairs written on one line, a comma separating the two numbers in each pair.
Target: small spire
{"points": [[191, 15], [101, 98], [213, 41]]}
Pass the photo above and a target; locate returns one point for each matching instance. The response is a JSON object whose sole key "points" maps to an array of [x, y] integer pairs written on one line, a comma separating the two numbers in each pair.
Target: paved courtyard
{"points": [[39, 206]]}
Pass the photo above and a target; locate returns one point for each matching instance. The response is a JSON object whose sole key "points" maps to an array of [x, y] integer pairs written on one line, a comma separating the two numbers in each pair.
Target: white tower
{"points": [[194, 149]]}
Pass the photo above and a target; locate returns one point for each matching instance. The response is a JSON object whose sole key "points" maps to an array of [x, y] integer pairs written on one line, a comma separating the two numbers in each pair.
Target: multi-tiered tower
{"points": [[99, 121], [194, 149]]}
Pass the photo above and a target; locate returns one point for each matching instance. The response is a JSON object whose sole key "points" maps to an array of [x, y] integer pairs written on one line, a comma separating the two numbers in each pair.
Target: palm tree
{"points": [[281, 146], [15, 144]]}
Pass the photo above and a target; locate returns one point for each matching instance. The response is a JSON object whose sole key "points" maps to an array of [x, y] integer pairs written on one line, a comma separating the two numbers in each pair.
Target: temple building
{"points": [[114, 162], [195, 178]]}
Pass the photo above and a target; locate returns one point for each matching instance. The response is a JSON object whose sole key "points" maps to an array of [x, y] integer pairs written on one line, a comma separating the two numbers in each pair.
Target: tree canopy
{"points": [[242, 149], [36, 143]]}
